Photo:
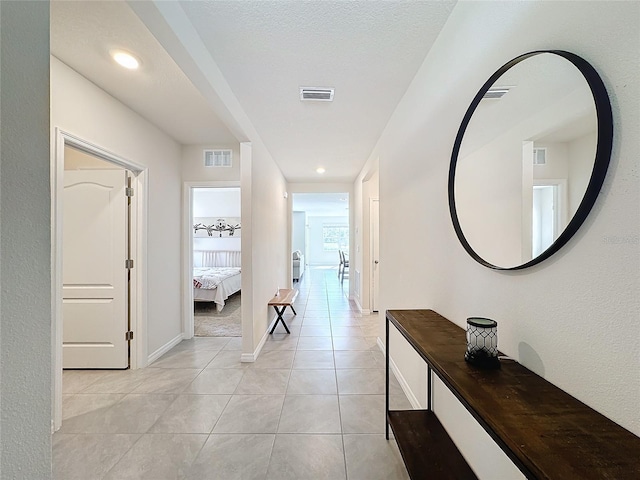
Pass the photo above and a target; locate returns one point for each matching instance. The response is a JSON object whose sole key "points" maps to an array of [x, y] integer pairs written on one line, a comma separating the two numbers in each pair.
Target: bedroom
{"points": [[216, 261]]}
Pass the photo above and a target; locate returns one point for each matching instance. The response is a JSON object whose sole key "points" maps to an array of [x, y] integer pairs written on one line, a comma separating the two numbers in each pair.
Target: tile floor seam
{"points": [[122, 456], [219, 417], [239, 382], [280, 415], [341, 319], [266, 470], [195, 457], [344, 450]]}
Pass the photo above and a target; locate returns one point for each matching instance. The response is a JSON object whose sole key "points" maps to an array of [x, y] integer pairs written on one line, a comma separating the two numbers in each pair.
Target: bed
{"points": [[216, 275]]}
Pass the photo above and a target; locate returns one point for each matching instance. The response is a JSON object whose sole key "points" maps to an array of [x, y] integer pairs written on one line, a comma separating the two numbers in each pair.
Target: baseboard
{"points": [[252, 357], [164, 349], [401, 380], [248, 357], [356, 300], [363, 311]]}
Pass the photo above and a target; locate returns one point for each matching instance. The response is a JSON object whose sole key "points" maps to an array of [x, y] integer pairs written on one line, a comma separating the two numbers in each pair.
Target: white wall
{"points": [[265, 242], [557, 165], [25, 203], [81, 108], [579, 150], [211, 202], [193, 169], [217, 203], [574, 318], [299, 232], [484, 205]]}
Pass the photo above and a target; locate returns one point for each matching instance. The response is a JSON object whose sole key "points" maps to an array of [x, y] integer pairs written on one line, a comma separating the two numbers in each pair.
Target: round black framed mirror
{"points": [[529, 159]]}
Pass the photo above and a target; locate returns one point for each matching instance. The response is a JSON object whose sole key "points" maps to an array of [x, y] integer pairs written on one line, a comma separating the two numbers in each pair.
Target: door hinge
{"points": [[128, 263], [128, 191], [128, 335]]}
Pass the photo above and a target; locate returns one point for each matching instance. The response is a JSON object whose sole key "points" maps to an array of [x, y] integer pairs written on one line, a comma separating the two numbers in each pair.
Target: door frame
{"points": [[187, 248], [374, 220], [138, 242], [562, 200]]}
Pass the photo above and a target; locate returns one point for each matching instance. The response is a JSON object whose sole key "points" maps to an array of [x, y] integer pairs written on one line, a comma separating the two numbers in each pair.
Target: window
{"points": [[335, 237]]}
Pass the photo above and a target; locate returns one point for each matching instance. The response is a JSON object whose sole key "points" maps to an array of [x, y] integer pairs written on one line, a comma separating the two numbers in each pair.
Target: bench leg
{"points": [[294, 312], [279, 319]]}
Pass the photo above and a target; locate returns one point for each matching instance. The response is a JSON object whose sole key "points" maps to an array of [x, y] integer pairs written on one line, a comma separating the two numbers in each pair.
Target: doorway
{"points": [[95, 267], [135, 333], [217, 261], [320, 228], [548, 214], [212, 240]]}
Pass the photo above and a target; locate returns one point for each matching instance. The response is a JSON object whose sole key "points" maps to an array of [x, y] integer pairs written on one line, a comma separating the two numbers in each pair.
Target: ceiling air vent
{"points": [[319, 94], [496, 93], [217, 158]]}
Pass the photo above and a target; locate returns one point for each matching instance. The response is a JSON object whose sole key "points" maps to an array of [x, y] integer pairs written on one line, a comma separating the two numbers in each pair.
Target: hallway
{"points": [[310, 407]]}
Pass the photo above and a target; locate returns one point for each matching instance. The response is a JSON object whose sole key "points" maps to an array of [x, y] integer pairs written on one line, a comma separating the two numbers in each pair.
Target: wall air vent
{"points": [[217, 158], [496, 93], [539, 156], [318, 94]]}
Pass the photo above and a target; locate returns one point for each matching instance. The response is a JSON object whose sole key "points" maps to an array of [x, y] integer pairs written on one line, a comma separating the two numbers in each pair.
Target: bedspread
{"points": [[210, 277]]}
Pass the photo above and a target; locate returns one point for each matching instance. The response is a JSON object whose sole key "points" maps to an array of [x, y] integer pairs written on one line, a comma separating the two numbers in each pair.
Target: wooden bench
{"points": [[283, 299]]}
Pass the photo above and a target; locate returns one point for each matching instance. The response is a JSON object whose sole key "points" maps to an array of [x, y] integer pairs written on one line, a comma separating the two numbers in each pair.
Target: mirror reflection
{"points": [[525, 160]]}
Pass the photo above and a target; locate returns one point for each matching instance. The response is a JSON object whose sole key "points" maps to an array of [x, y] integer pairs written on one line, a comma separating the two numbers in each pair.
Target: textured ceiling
{"points": [[83, 33], [368, 50]]}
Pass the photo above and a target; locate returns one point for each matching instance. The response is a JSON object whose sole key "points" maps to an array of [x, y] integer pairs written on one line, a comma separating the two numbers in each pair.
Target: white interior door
{"points": [[95, 279], [375, 263]]}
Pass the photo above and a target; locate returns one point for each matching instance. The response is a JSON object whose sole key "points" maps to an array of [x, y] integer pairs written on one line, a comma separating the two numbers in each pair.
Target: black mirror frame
{"points": [[600, 166]]}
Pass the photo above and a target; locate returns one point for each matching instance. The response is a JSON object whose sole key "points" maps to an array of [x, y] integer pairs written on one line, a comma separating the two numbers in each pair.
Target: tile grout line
{"points": [[329, 297], [335, 371]]}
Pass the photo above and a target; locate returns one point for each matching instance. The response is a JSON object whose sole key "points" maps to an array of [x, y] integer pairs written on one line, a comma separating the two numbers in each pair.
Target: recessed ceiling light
{"points": [[320, 170], [125, 59]]}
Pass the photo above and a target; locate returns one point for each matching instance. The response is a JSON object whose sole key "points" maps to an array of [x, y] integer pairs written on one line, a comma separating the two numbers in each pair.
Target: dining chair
{"points": [[344, 263]]}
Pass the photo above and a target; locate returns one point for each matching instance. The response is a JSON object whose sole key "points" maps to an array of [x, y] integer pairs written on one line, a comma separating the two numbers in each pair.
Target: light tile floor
{"points": [[310, 407]]}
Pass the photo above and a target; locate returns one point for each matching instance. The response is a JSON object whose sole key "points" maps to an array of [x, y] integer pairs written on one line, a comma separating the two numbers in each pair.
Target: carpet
{"points": [[211, 323]]}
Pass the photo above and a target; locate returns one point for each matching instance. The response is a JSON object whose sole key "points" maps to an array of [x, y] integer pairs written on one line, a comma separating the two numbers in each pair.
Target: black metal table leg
{"points": [[279, 319], [429, 388], [386, 396]]}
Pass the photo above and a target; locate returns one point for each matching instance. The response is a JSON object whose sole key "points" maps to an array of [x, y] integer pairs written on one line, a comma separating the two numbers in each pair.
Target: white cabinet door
{"points": [[95, 290]]}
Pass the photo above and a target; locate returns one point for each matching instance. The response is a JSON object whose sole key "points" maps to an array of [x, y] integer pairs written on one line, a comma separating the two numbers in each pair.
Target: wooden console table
{"points": [[546, 432]]}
